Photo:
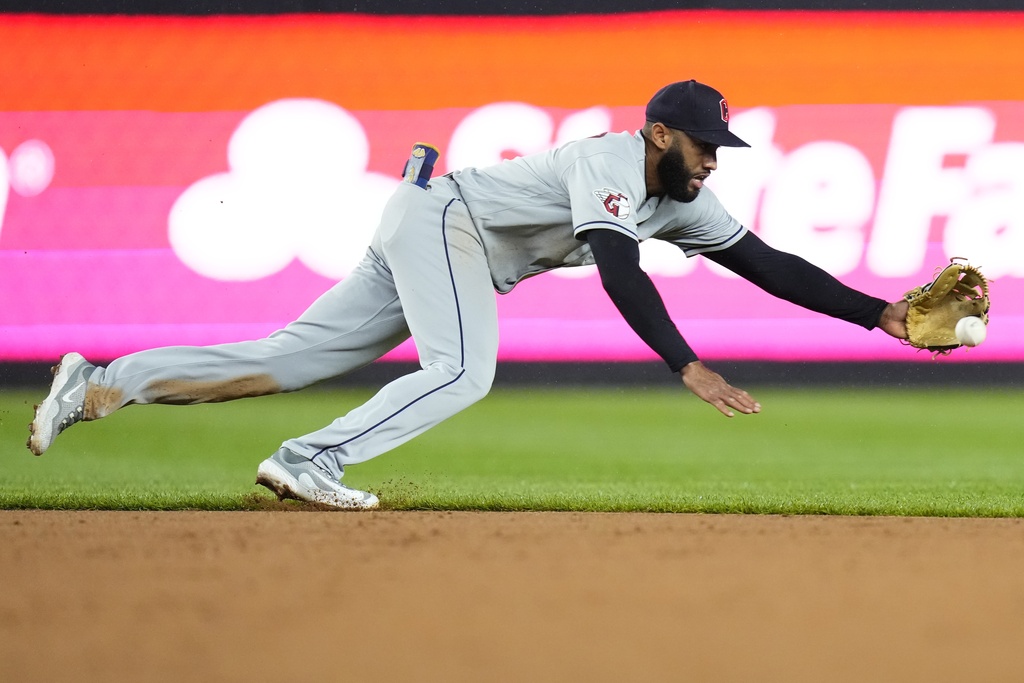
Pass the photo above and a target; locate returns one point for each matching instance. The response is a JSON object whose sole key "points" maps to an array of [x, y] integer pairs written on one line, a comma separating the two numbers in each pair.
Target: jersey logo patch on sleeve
{"points": [[614, 202]]}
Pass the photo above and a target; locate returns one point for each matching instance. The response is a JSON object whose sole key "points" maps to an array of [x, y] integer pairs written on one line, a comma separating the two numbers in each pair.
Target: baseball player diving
{"points": [[441, 250]]}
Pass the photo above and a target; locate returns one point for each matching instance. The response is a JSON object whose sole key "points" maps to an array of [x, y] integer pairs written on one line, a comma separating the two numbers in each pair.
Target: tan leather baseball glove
{"points": [[958, 291]]}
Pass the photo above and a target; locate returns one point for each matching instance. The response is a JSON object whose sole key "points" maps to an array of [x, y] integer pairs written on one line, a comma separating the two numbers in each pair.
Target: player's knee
{"points": [[467, 385], [478, 383]]}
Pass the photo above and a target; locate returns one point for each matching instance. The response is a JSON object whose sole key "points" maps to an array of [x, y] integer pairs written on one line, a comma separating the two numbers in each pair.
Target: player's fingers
{"points": [[743, 402], [722, 407]]}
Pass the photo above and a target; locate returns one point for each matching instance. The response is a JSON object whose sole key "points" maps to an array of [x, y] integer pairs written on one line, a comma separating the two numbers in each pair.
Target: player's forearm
{"points": [[793, 279], [636, 297], [643, 309]]}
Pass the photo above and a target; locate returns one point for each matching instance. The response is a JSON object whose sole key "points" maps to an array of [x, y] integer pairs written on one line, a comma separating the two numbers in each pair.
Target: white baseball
{"points": [[970, 331]]}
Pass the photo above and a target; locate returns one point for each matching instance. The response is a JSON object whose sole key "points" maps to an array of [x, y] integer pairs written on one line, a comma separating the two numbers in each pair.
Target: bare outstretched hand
{"points": [[711, 387]]}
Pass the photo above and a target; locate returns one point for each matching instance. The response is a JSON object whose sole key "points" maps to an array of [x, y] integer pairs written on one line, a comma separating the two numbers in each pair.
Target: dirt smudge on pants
{"points": [[188, 392], [101, 401]]}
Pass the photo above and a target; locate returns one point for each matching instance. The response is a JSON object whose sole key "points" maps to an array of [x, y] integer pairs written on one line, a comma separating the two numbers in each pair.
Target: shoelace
{"points": [[74, 417]]}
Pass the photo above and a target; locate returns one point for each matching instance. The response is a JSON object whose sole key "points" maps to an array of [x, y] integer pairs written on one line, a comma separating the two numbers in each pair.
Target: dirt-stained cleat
{"points": [[290, 475], [65, 404]]}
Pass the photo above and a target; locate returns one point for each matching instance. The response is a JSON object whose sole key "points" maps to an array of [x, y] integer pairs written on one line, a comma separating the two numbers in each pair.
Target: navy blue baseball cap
{"points": [[698, 110]]}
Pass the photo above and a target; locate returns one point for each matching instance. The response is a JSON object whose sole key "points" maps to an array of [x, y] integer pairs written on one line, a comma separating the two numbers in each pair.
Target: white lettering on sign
{"points": [[944, 181], [297, 188], [989, 225], [28, 172], [499, 131], [4, 188], [658, 257], [917, 186], [819, 203], [743, 173], [31, 168]]}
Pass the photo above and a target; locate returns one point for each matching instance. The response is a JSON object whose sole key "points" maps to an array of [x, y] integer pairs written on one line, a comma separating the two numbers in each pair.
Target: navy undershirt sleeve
{"points": [[779, 273], [618, 261], [793, 279]]}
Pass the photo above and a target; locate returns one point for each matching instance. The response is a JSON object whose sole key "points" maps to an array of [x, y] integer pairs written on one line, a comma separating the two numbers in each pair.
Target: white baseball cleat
{"points": [[65, 404], [290, 475]]}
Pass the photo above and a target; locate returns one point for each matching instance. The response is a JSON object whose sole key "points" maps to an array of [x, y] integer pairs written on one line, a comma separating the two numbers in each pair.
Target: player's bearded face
{"points": [[675, 175]]}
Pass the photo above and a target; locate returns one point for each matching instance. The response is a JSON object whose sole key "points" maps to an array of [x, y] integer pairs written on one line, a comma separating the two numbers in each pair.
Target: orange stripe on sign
{"points": [[367, 62]]}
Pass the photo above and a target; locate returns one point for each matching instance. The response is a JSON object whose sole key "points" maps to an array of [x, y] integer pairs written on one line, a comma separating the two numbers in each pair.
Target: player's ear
{"points": [[661, 135]]}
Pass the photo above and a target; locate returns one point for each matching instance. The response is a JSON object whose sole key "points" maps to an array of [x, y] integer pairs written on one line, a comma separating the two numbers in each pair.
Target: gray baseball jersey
{"points": [[430, 272], [531, 210]]}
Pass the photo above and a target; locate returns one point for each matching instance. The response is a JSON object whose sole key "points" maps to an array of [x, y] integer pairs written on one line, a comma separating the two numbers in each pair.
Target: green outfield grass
{"points": [[834, 451]]}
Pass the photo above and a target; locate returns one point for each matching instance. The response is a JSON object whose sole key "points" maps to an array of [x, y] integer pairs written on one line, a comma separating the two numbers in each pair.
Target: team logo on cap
{"points": [[614, 202], [725, 110]]}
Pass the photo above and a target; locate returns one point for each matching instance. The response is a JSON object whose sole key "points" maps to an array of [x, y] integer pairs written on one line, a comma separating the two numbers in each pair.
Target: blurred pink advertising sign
{"points": [[124, 230]]}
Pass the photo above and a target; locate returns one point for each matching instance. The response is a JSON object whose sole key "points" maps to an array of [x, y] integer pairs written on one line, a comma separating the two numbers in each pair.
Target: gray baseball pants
{"points": [[425, 274]]}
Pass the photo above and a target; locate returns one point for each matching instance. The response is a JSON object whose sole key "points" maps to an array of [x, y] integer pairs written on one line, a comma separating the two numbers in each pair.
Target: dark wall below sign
{"points": [[656, 374]]}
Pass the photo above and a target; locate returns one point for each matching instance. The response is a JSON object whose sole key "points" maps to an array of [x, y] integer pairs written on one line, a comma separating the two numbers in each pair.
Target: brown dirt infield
{"points": [[434, 596]]}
